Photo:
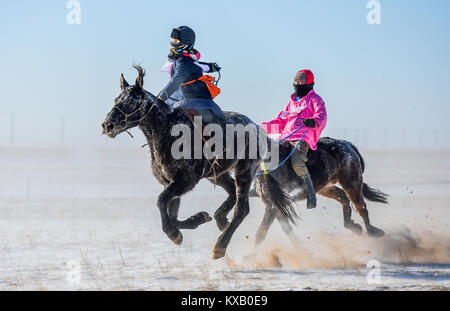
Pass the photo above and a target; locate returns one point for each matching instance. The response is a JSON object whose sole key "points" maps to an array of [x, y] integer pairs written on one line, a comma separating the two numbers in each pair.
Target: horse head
{"points": [[130, 107]]}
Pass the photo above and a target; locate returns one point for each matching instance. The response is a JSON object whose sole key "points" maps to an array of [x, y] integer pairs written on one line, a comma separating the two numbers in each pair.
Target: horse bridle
{"points": [[128, 115]]}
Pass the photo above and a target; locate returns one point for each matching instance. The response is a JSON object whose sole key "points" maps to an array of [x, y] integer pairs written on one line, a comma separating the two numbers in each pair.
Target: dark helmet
{"points": [[184, 38], [185, 34]]}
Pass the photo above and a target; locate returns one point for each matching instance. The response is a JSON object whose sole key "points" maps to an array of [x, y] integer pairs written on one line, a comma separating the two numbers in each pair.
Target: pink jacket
{"points": [[311, 106]]}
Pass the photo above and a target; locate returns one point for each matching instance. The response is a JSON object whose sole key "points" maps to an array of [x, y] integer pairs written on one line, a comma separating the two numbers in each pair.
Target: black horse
{"points": [[334, 161], [137, 107]]}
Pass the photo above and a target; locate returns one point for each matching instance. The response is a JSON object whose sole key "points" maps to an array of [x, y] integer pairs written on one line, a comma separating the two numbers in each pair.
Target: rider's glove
{"points": [[213, 67], [309, 123]]}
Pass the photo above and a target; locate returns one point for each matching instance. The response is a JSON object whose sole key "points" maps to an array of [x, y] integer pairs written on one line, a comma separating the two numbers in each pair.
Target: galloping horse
{"points": [[334, 161], [137, 107]]}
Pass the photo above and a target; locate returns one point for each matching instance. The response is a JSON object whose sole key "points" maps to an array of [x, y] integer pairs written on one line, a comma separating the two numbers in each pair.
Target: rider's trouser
{"points": [[299, 158]]}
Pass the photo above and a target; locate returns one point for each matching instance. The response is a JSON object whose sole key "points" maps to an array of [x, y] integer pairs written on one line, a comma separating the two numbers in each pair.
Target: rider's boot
{"points": [[298, 162], [311, 199]]}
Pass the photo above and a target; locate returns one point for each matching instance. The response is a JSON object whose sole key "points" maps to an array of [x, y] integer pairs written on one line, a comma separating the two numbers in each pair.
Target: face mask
{"points": [[172, 54], [302, 90]]}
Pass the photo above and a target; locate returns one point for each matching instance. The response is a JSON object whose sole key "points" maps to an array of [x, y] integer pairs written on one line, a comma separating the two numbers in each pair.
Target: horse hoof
{"points": [[176, 237], [218, 253], [354, 227], [205, 216], [375, 232]]}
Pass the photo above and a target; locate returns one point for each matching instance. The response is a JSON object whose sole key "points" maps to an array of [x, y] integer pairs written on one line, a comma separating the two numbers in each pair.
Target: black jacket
{"points": [[185, 70]]}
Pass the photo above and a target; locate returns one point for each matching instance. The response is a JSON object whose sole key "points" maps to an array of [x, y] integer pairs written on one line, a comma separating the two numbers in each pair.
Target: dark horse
{"points": [[334, 161], [137, 107]]}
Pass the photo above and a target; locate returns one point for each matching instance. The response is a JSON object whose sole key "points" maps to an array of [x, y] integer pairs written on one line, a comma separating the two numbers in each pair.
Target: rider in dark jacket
{"points": [[185, 70]]}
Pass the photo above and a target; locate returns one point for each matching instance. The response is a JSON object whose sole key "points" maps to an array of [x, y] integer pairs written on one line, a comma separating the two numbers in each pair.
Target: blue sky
{"points": [[373, 78]]}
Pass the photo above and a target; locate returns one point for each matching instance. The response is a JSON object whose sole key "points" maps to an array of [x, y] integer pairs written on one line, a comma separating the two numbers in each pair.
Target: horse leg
{"points": [[353, 189], [173, 191], [174, 207], [243, 181], [192, 222], [339, 195], [287, 229], [226, 182], [269, 216]]}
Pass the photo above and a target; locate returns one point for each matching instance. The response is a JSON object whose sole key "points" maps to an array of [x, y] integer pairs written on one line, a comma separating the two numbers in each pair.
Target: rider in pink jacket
{"points": [[307, 109]]}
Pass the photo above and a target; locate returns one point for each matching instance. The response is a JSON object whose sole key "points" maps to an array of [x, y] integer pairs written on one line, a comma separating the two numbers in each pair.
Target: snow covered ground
{"points": [[86, 219]]}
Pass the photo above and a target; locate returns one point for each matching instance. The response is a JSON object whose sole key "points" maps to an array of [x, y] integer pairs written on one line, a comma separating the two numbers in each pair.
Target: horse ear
{"points": [[123, 82]]}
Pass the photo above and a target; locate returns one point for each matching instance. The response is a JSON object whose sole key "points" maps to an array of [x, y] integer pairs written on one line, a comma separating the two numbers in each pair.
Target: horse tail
{"points": [[374, 195], [277, 197]]}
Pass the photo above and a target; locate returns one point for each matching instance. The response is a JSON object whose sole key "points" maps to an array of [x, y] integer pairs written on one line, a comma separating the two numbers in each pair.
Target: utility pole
{"points": [[436, 139], [12, 132], [365, 138], [403, 138], [420, 139], [62, 130], [385, 138]]}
